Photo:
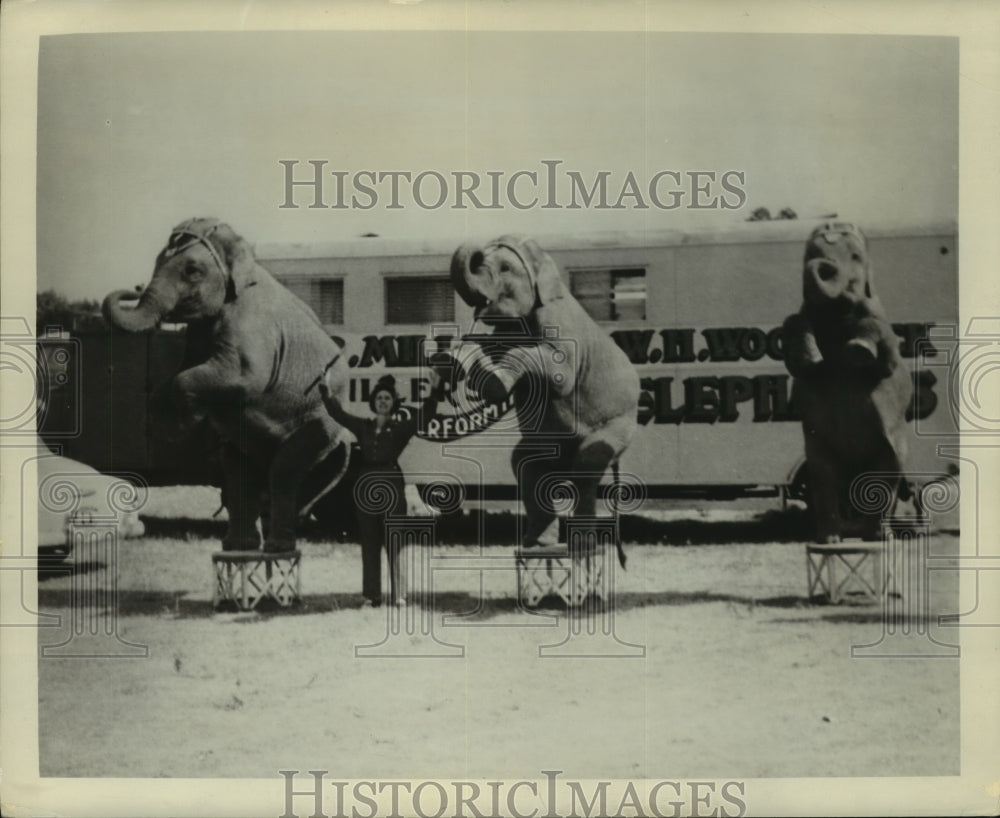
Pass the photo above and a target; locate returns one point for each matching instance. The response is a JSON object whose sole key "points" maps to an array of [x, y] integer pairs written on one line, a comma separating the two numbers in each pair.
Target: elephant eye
{"points": [[504, 267], [856, 257], [192, 271]]}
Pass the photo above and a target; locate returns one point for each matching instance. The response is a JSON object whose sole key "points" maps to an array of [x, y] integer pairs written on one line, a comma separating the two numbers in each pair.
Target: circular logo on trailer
{"points": [[469, 417]]}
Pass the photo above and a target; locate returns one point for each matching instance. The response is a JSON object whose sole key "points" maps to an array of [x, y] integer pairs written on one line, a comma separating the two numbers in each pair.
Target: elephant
{"points": [[250, 372], [575, 391], [850, 385]]}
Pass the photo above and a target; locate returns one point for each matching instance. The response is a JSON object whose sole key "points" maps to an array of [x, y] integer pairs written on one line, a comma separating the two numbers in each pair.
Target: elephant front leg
{"points": [[801, 350], [241, 497], [202, 389], [871, 347]]}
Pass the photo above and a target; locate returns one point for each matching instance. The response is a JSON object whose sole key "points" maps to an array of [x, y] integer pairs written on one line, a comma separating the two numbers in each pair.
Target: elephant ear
{"points": [[869, 268], [858, 233], [239, 259], [233, 255], [874, 302], [541, 268]]}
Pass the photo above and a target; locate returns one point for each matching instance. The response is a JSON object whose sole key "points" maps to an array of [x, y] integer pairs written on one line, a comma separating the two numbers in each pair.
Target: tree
{"points": [[54, 309]]}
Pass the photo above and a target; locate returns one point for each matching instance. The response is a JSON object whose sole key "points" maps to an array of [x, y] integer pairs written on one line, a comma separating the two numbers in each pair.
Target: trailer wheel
{"points": [[51, 557], [798, 486]]}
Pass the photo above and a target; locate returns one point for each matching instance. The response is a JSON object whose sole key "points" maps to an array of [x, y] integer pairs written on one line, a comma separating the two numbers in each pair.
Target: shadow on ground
{"points": [[501, 528], [461, 605]]}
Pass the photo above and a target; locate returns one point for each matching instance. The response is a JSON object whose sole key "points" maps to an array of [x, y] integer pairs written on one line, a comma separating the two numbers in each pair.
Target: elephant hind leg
{"points": [[825, 491], [596, 454], [531, 465], [887, 463], [592, 461], [306, 447], [241, 492], [589, 467]]}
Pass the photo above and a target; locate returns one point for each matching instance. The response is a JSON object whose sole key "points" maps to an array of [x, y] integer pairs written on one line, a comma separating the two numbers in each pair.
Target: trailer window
{"points": [[611, 294], [419, 300], [324, 295]]}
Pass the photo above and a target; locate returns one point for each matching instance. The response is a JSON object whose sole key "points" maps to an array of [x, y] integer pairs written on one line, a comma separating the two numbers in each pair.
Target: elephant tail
{"points": [[330, 481], [614, 502]]}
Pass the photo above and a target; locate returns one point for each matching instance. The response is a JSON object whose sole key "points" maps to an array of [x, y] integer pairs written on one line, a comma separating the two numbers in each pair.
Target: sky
{"points": [[137, 132]]}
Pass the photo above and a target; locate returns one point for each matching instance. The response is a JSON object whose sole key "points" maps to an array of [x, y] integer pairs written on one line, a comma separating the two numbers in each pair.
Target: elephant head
{"points": [[204, 266], [837, 272], [509, 278]]}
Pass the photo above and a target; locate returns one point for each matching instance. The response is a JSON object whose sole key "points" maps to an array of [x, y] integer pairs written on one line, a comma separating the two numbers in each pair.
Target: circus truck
{"points": [[699, 316]]}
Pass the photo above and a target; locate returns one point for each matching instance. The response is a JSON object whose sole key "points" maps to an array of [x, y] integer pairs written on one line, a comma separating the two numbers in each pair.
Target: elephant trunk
{"points": [[150, 310], [823, 283], [464, 263]]}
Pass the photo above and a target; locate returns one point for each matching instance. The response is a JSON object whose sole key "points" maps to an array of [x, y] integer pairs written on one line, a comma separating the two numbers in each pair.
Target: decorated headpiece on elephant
{"points": [[851, 387], [575, 392], [253, 350]]}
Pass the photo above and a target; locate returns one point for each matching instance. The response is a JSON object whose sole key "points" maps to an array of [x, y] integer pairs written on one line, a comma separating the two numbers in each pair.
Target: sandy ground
{"points": [[739, 674]]}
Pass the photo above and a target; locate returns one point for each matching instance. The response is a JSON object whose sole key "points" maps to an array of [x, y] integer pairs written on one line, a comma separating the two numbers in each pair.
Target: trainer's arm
{"points": [[352, 423]]}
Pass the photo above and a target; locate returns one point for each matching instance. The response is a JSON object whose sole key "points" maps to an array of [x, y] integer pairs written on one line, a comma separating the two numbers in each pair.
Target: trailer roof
{"points": [[782, 230]]}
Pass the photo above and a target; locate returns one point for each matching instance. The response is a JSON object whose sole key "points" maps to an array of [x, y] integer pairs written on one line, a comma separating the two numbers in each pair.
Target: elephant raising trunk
{"points": [[575, 391], [254, 351], [851, 387], [153, 306]]}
